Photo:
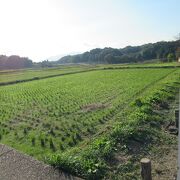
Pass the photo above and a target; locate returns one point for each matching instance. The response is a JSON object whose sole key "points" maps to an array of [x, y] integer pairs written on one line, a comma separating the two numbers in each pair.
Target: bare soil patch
{"points": [[93, 107]]}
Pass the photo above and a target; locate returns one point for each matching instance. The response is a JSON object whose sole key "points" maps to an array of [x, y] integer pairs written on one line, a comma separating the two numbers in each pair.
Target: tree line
{"points": [[164, 51], [14, 62]]}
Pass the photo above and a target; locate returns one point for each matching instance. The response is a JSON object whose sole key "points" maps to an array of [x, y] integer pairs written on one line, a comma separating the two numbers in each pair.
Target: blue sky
{"points": [[43, 28]]}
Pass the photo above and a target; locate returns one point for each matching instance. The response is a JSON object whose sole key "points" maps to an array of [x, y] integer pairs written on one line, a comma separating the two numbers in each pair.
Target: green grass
{"points": [[58, 117]]}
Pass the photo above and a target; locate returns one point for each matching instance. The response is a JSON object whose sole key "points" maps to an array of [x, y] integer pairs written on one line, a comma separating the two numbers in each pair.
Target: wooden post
{"points": [[177, 118], [146, 169]]}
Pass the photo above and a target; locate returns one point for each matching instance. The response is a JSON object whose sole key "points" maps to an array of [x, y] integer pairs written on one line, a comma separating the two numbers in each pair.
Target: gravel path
{"points": [[17, 166]]}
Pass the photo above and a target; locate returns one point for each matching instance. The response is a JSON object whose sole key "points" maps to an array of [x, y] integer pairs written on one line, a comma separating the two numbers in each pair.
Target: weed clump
{"points": [[61, 146], [42, 142], [51, 144], [33, 141]]}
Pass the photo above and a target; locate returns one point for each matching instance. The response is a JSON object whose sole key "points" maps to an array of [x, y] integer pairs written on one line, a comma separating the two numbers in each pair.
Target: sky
{"points": [[40, 29]]}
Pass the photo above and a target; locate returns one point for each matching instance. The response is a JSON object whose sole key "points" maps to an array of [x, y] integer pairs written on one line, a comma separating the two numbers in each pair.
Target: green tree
{"points": [[170, 57]]}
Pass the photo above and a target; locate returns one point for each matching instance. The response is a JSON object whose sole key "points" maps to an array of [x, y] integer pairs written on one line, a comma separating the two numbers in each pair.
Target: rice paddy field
{"points": [[8, 76], [74, 121]]}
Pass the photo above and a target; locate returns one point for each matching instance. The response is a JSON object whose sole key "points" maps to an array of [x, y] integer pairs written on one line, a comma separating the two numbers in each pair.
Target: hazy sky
{"points": [[43, 28]]}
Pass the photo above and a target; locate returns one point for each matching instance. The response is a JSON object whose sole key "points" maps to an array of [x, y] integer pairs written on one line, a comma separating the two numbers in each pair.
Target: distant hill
{"points": [[14, 62], [160, 50], [57, 57]]}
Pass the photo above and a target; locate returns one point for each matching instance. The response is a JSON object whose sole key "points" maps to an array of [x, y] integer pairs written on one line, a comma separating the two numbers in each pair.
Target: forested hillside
{"points": [[14, 62], [165, 51]]}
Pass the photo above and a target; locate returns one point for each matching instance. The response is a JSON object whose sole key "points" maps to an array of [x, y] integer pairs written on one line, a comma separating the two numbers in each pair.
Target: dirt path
{"points": [[17, 166], [166, 161]]}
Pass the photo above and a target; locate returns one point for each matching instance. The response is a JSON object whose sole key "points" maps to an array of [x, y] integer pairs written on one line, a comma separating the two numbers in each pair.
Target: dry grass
{"points": [[164, 166]]}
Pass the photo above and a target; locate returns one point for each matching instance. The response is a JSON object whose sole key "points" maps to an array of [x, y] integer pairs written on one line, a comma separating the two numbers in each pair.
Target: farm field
{"points": [[24, 74], [62, 114], [8, 76], [141, 65]]}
